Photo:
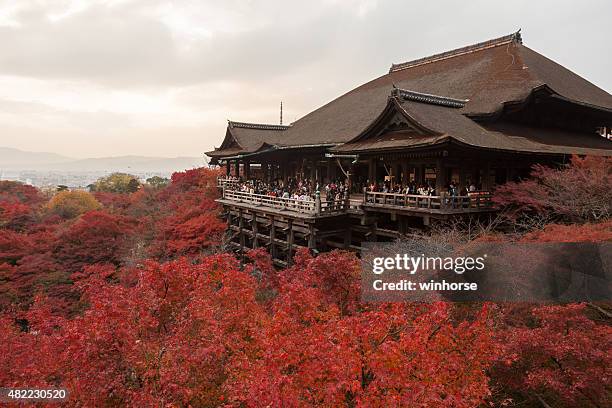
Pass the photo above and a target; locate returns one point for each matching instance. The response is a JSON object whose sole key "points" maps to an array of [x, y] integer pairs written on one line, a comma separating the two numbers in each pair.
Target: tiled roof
{"points": [[507, 39], [475, 81], [450, 125]]}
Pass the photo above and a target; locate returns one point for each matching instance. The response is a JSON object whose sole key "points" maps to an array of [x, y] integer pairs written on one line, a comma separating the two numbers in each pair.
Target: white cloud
{"points": [[159, 77]]}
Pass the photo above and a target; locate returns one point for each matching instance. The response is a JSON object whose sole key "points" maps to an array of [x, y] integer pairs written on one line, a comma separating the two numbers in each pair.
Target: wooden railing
{"points": [[312, 206], [227, 182], [479, 200], [474, 200]]}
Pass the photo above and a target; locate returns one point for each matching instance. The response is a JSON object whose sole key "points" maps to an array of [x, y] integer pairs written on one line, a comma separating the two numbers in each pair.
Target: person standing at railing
{"points": [[452, 192], [431, 191]]}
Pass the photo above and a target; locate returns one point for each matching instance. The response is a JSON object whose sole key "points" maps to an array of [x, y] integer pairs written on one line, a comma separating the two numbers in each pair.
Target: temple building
{"points": [[469, 118]]}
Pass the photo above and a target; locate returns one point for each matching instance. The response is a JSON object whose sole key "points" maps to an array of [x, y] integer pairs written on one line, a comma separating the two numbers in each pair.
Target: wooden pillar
{"points": [[371, 235], [227, 168], [440, 176], [272, 238], [462, 179], [264, 171], [241, 236], [333, 168], [347, 237], [287, 170], [486, 178], [312, 241], [510, 174], [372, 170], [398, 173], [405, 175], [313, 174], [290, 238], [255, 229], [237, 168], [282, 171], [475, 176], [247, 170], [229, 219], [309, 171], [422, 174]]}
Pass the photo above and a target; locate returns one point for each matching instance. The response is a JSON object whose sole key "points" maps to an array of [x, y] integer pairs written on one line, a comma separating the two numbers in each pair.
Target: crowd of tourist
{"points": [[424, 189], [307, 189]]}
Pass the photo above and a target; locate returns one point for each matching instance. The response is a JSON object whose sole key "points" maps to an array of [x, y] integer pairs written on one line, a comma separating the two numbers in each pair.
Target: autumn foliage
{"points": [[44, 241], [560, 355], [133, 303], [579, 192]]}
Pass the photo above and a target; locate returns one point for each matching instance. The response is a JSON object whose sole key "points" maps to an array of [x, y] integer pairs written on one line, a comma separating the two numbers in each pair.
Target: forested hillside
{"points": [[125, 297]]}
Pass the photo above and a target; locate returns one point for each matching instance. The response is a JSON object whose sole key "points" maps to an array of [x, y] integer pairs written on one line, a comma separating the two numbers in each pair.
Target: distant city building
{"points": [[71, 179]]}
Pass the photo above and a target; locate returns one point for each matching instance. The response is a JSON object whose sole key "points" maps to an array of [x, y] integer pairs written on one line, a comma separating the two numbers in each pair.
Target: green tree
{"points": [[158, 182], [117, 183]]}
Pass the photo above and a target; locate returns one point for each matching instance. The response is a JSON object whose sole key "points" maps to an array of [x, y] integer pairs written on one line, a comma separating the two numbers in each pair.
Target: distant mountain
{"points": [[18, 159], [133, 163], [15, 159]]}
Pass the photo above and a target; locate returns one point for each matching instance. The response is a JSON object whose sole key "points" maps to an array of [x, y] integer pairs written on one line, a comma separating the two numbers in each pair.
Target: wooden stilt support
{"points": [[371, 235], [255, 229], [312, 240], [241, 234], [290, 242], [347, 238], [272, 238]]}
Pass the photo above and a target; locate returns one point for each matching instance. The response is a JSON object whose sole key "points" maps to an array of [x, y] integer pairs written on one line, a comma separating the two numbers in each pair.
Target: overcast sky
{"points": [[146, 77]]}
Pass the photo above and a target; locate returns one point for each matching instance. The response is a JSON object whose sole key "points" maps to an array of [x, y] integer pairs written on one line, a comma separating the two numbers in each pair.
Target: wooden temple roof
{"points": [[442, 124], [445, 91], [244, 138]]}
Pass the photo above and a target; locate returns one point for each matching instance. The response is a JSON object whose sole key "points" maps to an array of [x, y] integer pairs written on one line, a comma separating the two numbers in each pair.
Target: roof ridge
{"points": [[261, 126], [428, 98], [507, 39]]}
